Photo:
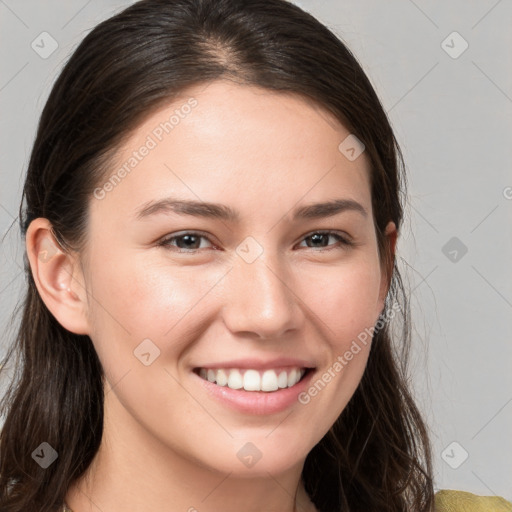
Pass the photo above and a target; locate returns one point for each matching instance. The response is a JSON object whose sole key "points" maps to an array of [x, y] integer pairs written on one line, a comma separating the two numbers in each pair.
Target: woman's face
{"points": [[175, 285]]}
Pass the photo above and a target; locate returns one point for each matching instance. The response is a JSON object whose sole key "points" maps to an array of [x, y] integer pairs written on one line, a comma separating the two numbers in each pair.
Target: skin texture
{"points": [[167, 445]]}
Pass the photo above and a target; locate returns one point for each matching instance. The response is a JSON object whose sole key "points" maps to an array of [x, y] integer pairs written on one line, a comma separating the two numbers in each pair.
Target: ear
{"points": [[57, 276], [392, 235]]}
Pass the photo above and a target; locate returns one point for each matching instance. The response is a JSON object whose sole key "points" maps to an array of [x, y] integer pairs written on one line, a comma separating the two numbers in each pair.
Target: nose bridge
{"points": [[260, 293]]}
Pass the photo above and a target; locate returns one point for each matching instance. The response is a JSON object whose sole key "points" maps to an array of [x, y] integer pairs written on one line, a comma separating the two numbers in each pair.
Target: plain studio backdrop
{"points": [[444, 74]]}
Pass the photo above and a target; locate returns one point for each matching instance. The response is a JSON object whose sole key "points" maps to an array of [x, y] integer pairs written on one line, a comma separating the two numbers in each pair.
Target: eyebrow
{"points": [[223, 212]]}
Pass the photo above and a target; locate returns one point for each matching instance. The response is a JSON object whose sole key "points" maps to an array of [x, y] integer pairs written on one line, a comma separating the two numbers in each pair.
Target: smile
{"points": [[253, 380]]}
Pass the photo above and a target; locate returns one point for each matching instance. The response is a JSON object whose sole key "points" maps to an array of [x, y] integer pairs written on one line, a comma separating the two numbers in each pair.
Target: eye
{"points": [[322, 237], [190, 241], [186, 242]]}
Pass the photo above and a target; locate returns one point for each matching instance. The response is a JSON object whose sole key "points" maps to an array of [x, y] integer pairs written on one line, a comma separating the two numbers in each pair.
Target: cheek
{"points": [[346, 300], [141, 298], [347, 305]]}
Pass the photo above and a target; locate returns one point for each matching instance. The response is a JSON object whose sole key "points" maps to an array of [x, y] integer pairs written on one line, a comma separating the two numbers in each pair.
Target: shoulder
{"points": [[447, 500]]}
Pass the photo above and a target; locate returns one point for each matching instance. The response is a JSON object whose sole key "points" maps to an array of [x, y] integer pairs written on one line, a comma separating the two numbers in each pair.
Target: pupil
{"points": [[189, 238], [318, 236]]}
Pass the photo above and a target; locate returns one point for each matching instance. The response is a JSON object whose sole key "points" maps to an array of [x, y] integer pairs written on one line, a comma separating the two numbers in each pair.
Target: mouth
{"points": [[267, 381]]}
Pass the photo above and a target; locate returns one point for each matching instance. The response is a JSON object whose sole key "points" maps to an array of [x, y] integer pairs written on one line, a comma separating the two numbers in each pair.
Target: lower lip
{"points": [[257, 402]]}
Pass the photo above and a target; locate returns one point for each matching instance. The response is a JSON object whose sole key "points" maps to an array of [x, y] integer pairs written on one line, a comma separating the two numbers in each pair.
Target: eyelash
{"points": [[166, 242]]}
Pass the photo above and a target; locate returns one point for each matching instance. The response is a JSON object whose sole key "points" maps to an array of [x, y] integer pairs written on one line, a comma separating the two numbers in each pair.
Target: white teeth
{"points": [[282, 380], [292, 377], [222, 377], [269, 381], [235, 380], [253, 380]]}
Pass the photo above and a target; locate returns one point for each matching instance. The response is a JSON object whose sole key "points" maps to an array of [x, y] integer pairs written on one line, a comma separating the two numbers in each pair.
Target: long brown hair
{"points": [[377, 454]]}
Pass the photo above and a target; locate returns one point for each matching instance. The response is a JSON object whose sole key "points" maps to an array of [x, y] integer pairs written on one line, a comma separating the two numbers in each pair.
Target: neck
{"points": [[209, 493], [134, 471]]}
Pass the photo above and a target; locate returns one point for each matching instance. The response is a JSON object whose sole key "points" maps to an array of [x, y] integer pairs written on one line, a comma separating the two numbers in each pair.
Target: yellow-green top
{"points": [[447, 500]]}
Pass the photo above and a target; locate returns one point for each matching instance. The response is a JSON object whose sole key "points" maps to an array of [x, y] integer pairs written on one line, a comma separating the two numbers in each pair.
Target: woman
{"points": [[185, 344]]}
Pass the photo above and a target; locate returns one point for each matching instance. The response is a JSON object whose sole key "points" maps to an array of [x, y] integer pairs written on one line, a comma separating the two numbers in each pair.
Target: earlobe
{"points": [[57, 276]]}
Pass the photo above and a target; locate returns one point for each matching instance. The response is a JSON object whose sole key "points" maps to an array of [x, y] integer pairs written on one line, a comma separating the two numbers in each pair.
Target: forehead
{"points": [[225, 140]]}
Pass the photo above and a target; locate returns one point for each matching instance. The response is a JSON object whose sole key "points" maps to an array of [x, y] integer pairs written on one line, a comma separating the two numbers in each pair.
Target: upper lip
{"points": [[259, 364]]}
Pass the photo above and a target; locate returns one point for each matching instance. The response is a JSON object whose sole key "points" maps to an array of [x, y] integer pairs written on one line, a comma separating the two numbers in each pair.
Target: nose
{"points": [[260, 299]]}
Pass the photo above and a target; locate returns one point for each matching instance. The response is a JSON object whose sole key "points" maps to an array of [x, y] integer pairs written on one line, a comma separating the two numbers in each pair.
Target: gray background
{"points": [[452, 115]]}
